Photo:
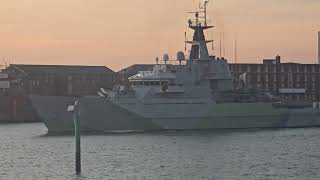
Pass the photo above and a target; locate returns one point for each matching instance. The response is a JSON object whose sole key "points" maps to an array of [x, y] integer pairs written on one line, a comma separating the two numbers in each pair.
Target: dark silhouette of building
{"points": [[52, 80], [4, 86], [60, 80]]}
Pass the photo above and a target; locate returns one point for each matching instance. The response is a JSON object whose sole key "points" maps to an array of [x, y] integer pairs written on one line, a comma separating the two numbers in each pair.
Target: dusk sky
{"points": [[120, 33]]}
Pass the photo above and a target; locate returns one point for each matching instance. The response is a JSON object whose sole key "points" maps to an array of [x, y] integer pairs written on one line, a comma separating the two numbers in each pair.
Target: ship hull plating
{"points": [[103, 115]]}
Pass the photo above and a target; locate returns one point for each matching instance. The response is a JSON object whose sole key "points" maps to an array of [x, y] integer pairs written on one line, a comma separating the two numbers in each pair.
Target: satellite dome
{"points": [[180, 56], [166, 57]]}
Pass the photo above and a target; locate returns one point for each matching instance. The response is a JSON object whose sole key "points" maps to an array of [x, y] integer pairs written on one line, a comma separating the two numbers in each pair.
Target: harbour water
{"points": [[294, 154]]}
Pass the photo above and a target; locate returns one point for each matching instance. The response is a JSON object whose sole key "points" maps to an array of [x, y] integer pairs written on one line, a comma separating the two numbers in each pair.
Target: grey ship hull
{"points": [[102, 115]]}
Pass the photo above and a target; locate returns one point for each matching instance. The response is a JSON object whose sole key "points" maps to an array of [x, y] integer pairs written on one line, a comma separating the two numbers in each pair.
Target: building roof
{"points": [[134, 69], [60, 69]]}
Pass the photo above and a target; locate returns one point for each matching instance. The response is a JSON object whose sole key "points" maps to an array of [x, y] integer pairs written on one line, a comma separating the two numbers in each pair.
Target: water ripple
{"points": [[26, 153]]}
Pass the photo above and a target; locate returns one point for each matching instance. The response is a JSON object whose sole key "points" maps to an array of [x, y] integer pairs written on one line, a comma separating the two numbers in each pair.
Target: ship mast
{"points": [[204, 7], [199, 50]]}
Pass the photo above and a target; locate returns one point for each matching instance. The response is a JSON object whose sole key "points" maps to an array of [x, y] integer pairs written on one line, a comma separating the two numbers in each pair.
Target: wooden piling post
{"points": [[76, 114]]}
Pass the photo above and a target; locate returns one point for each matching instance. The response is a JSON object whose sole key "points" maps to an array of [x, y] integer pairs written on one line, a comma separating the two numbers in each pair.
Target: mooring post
{"points": [[76, 114]]}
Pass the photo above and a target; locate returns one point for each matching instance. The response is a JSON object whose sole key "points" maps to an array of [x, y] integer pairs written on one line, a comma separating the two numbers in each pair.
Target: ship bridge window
{"points": [[137, 82], [147, 83], [164, 82], [152, 83], [171, 83]]}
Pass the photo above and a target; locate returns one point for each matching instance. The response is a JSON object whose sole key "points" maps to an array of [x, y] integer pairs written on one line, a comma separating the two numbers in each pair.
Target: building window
{"points": [[305, 69], [290, 78], [298, 97]]}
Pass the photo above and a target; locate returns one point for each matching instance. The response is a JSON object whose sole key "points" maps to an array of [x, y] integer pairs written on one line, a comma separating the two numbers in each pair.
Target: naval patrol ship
{"points": [[197, 93]]}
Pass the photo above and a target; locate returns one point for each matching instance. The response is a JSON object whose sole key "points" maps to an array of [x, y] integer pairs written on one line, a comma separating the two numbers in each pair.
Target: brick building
{"points": [[290, 81], [4, 86], [61, 80], [53, 80]]}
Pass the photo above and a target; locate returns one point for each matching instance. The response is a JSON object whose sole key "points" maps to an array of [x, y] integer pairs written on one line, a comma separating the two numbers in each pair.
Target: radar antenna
{"points": [[204, 7], [200, 14]]}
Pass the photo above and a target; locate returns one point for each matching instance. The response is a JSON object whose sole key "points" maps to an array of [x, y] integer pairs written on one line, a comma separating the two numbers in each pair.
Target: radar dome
{"points": [[180, 56], [166, 57]]}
